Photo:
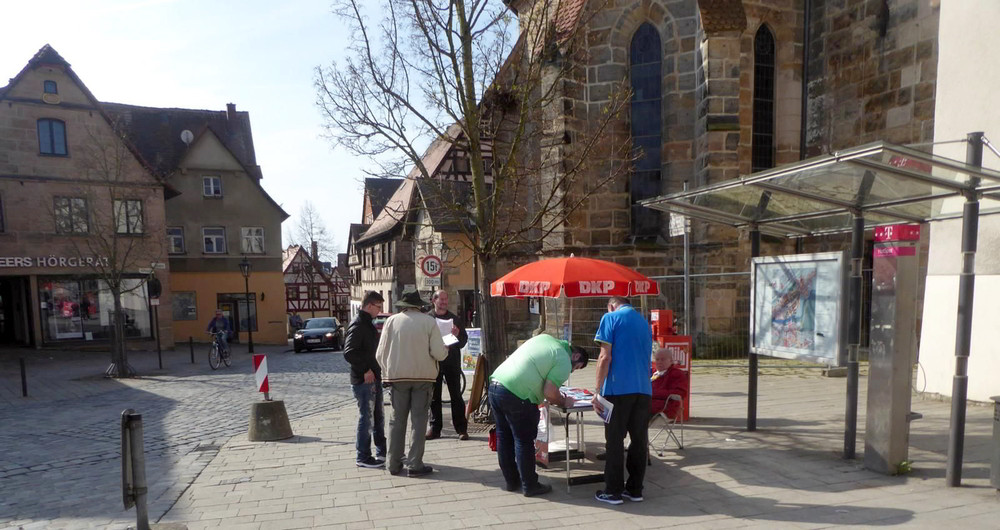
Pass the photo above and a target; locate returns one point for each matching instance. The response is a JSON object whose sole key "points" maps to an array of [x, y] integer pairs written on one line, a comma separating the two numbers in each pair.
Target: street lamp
{"points": [[245, 271]]}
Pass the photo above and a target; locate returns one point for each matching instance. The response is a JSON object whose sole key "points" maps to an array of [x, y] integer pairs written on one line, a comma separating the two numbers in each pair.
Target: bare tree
{"points": [[310, 228], [107, 215], [452, 71]]}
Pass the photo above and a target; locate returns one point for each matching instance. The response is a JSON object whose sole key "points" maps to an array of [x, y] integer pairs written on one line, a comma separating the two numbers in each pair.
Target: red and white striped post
{"points": [[260, 374]]}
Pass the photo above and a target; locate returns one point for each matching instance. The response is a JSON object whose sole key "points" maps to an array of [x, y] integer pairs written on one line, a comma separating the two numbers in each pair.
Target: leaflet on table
{"points": [[444, 326], [578, 396], [608, 408]]}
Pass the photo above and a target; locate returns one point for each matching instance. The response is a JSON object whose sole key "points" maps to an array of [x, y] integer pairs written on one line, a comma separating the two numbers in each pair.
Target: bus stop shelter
{"points": [[853, 190]]}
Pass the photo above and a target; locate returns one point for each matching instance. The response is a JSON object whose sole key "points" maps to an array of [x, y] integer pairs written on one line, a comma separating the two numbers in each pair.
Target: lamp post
{"points": [[245, 271]]}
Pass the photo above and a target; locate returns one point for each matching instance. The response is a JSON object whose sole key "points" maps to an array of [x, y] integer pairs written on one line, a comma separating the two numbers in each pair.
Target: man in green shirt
{"points": [[531, 374]]}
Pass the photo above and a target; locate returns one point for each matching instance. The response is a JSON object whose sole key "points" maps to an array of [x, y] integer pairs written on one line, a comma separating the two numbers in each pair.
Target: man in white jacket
{"points": [[409, 352]]}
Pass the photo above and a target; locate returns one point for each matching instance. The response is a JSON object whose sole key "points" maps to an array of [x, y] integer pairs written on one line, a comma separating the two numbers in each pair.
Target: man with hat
{"points": [[409, 352]]}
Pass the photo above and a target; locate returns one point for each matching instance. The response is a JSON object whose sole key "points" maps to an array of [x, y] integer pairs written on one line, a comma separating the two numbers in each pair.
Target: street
{"points": [[60, 463]]}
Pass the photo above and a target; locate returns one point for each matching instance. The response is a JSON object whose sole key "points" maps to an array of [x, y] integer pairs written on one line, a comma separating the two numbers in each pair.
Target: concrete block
{"points": [[269, 422]]}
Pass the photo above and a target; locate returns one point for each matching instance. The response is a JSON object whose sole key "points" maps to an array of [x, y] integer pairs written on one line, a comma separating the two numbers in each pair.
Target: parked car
{"points": [[321, 332], [379, 320]]}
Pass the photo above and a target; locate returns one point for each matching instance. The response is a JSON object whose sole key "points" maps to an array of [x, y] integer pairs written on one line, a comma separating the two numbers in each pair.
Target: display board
{"points": [[473, 348], [797, 308]]}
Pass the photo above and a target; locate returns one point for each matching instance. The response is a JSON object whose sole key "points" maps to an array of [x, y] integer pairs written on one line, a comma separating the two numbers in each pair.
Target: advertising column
{"points": [[893, 347]]}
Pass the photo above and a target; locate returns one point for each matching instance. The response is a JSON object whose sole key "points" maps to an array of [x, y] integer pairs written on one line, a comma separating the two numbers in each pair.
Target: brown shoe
{"points": [[463, 436], [431, 435]]}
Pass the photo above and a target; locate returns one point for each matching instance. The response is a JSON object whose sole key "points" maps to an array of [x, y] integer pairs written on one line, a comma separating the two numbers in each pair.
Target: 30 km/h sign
{"points": [[431, 266]]}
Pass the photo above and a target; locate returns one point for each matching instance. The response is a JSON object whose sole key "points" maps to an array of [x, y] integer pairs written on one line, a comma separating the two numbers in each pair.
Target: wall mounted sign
{"points": [[53, 261]]}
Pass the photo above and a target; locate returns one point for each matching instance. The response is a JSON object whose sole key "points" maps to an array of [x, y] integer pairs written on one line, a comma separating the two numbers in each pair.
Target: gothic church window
{"points": [[645, 58], [762, 156]]}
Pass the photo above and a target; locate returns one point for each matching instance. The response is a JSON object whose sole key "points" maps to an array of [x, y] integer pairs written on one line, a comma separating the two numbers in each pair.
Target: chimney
{"points": [[315, 249], [230, 111]]}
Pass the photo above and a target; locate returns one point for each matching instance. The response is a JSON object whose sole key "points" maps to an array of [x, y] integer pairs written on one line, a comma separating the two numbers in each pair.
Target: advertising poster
{"points": [[797, 307], [473, 348]]}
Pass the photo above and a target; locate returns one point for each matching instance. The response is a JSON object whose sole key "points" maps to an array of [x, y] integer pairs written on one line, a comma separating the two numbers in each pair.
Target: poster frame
{"points": [[836, 297]]}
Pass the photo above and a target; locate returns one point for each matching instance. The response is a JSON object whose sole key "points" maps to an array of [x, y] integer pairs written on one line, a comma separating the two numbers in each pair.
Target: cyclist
{"points": [[221, 323]]}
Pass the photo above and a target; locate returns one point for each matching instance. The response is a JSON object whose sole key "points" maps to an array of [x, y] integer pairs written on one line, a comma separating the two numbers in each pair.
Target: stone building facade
{"points": [[719, 90], [80, 210]]}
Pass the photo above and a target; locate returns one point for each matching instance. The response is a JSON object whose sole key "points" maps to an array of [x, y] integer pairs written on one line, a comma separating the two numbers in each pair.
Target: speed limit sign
{"points": [[431, 266]]}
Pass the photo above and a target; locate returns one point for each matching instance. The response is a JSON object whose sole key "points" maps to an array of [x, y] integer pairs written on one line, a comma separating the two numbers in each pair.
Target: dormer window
{"points": [[50, 87]]}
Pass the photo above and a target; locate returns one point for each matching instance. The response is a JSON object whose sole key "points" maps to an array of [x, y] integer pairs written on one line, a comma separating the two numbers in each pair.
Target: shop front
{"points": [[81, 308], [52, 300]]}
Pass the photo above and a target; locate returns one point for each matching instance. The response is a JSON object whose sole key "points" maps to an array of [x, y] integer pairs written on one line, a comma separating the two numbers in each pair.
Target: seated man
{"points": [[667, 379]]}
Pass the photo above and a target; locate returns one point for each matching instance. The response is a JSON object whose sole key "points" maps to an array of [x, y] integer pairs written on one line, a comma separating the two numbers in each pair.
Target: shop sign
{"points": [[53, 261]]}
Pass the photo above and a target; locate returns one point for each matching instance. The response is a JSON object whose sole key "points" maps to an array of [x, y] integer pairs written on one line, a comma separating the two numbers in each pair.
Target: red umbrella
{"points": [[573, 277]]}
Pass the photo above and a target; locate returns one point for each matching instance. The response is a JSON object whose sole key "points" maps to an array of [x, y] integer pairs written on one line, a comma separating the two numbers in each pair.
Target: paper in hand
{"points": [[607, 406], [444, 326]]}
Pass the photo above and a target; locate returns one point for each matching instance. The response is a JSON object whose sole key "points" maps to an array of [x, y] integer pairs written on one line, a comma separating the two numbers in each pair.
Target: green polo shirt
{"points": [[541, 358]]}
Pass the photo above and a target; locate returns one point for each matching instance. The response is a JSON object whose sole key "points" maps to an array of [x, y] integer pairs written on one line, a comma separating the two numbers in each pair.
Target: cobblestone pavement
{"points": [[60, 464]]}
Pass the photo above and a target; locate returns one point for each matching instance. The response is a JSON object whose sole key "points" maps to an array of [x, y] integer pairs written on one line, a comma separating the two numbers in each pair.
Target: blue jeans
{"points": [[517, 427], [371, 420]]}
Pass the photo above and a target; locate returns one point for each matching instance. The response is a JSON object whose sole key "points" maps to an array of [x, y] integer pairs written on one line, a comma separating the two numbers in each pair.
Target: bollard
{"points": [[24, 379], [191, 347], [134, 467], [268, 419]]}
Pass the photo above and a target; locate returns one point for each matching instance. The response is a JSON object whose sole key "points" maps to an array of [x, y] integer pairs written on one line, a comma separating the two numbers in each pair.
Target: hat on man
{"points": [[410, 299]]}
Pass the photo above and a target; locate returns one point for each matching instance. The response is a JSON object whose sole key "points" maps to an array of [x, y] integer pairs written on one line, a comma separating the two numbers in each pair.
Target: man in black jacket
{"points": [[366, 381], [450, 372]]}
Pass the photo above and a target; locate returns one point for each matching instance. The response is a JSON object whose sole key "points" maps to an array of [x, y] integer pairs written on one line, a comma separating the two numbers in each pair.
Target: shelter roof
{"points": [[886, 183]]}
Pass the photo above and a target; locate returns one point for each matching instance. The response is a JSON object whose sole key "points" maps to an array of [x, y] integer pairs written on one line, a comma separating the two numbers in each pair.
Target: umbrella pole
{"points": [[569, 380]]}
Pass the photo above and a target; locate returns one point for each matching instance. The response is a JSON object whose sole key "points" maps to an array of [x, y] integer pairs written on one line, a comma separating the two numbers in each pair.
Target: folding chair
{"points": [[668, 425]]}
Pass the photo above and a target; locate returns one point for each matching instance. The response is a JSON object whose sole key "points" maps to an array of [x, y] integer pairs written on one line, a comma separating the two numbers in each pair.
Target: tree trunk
{"points": [[494, 317], [119, 360]]}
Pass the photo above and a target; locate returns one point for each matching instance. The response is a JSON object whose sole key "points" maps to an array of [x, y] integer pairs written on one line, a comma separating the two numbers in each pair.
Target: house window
{"points": [[128, 216], [71, 215], [51, 137], [215, 239], [381, 256], [211, 186], [646, 107], [50, 87], [762, 151], [175, 240], [314, 292], [291, 292], [252, 240]]}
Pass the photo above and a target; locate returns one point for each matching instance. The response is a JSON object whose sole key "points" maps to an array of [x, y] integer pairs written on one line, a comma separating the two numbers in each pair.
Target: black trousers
{"points": [[450, 373], [630, 416]]}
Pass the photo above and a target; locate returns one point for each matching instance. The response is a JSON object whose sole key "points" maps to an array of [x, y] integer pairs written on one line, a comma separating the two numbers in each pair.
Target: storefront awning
{"points": [[886, 183]]}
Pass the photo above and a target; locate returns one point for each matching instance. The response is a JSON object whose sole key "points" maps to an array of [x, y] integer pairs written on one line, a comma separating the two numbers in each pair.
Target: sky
{"points": [[203, 54]]}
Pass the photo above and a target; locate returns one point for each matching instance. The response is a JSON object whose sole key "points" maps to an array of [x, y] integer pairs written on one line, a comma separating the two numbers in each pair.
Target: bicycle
{"points": [[219, 351]]}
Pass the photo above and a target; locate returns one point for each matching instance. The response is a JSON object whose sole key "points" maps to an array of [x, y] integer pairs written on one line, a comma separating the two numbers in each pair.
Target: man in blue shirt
{"points": [[626, 342]]}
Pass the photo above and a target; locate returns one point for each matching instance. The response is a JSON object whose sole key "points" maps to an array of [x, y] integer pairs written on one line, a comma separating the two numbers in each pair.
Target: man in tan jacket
{"points": [[409, 352]]}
